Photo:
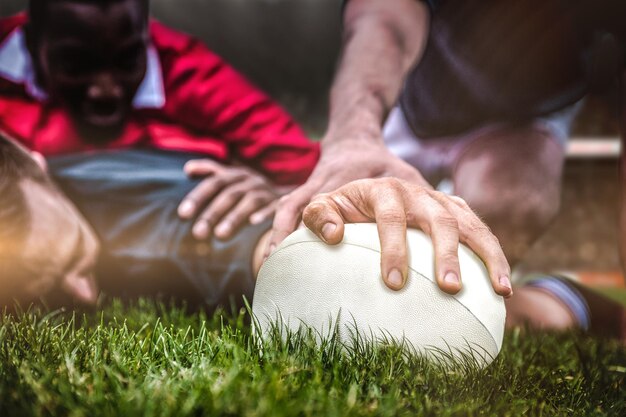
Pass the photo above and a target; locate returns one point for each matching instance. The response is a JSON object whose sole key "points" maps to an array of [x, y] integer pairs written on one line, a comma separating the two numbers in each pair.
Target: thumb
{"points": [[200, 167], [40, 160], [81, 287], [288, 215]]}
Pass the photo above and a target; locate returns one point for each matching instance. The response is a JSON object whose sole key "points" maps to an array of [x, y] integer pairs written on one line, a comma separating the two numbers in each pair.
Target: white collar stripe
{"points": [[16, 66]]}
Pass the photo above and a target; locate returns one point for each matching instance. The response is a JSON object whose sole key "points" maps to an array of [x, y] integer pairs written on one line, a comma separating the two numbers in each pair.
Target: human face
{"points": [[92, 59], [58, 252]]}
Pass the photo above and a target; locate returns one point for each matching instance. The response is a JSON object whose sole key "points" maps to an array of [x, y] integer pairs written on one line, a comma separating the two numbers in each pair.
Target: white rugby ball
{"points": [[307, 282]]}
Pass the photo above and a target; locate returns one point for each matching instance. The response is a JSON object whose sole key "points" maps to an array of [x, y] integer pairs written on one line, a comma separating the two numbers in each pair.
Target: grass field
{"points": [[151, 360]]}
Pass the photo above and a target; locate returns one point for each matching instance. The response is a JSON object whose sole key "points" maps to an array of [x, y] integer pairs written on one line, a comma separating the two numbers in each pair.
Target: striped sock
{"points": [[567, 294]]}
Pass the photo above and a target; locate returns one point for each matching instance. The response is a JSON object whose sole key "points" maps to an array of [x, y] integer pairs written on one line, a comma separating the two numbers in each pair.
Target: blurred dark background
{"points": [[289, 48]]}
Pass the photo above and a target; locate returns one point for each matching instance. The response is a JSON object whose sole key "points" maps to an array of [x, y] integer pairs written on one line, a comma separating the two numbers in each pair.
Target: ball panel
{"points": [[323, 290], [477, 294]]}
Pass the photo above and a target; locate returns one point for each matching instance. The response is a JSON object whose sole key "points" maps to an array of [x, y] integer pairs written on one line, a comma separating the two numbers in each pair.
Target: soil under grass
{"points": [[153, 360]]}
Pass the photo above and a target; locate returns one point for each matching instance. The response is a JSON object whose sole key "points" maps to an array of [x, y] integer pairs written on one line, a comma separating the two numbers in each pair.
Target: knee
{"points": [[517, 219], [532, 212]]}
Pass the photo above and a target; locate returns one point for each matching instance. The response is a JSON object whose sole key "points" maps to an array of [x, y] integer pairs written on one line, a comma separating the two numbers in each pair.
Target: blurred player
{"points": [[81, 75], [478, 92]]}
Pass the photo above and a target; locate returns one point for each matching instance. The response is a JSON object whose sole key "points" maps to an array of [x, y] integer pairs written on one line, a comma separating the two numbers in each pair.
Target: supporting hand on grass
{"points": [[227, 198], [395, 204]]}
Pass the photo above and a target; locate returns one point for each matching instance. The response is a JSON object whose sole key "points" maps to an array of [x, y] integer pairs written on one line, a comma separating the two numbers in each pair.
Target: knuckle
{"points": [[257, 199], [316, 206], [313, 212], [284, 200], [495, 257], [208, 217], [419, 190], [475, 226], [237, 217], [238, 192], [392, 217], [444, 219], [260, 199], [219, 181], [437, 195], [492, 250], [392, 183], [255, 183], [460, 202], [290, 206], [227, 199], [448, 258], [412, 217], [321, 198]]}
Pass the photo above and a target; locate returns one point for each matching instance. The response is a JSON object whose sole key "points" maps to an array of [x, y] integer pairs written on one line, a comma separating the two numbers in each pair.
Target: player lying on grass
{"points": [[128, 203], [82, 75], [478, 92], [130, 237], [127, 200]]}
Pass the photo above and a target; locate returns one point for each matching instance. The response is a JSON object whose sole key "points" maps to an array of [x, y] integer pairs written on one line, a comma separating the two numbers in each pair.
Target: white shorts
{"points": [[435, 158]]}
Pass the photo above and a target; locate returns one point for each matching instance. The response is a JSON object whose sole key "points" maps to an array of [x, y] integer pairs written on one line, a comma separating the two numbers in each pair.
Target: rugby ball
{"points": [[339, 288]]}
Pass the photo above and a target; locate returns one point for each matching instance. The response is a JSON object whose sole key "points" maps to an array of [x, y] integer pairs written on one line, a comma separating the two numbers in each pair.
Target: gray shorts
{"points": [[130, 198]]}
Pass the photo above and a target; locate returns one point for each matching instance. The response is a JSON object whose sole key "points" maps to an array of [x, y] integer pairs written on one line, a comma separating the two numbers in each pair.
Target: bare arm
{"points": [[383, 39]]}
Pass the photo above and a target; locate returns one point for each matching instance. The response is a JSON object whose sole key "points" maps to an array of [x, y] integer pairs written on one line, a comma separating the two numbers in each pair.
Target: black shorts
{"points": [[130, 198]]}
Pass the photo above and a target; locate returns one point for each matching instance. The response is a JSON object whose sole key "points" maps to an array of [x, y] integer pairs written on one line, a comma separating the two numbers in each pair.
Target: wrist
{"points": [[362, 130]]}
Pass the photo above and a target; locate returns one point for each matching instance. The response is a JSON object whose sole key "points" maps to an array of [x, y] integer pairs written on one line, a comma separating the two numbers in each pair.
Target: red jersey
{"points": [[190, 100]]}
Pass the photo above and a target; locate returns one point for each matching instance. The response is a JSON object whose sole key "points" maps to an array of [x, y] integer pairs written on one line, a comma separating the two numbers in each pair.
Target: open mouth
{"points": [[104, 113]]}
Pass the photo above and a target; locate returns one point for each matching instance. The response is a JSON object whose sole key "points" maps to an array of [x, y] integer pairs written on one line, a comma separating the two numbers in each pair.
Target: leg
{"points": [[557, 303], [511, 176]]}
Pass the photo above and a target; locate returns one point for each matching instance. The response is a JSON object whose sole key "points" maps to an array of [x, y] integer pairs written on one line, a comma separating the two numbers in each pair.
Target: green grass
{"points": [[618, 294], [159, 361]]}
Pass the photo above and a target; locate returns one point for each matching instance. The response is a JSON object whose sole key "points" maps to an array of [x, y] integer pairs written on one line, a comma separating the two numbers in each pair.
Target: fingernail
{"points": [[85, 291], [328, 229], [201, 230], [186, 209], [451, 278], [222, 230], [505, 281], [395, 278], [272, 247], [189, 166], [256, 218]]}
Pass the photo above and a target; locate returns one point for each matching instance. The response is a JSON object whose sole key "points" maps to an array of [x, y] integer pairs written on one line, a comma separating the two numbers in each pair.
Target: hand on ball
{"points": [[395, 205]]}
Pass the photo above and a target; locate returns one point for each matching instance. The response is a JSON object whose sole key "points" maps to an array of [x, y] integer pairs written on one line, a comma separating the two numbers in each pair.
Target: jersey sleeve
{"points": [[207, 94]]}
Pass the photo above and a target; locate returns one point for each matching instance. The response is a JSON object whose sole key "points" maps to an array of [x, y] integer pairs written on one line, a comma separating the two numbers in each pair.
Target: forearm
{"points": [[382, 41]]}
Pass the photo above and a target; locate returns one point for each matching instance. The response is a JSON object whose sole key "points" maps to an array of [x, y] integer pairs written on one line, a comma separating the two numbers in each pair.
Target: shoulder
{"points": [[184, 59], [179, 51], [9, 24], [171, 41]]}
